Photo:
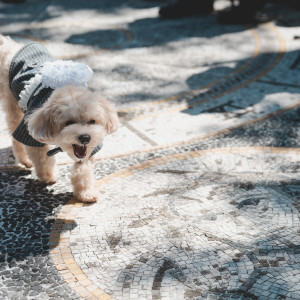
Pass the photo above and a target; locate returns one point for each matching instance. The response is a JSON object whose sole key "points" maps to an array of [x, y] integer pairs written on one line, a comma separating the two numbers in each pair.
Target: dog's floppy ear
{"points": [[112, 123], [40, 124], [111, 117]]}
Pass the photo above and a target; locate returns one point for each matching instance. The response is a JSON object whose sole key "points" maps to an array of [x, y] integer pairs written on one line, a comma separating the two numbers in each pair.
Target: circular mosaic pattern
{"points": [[191, 224]]}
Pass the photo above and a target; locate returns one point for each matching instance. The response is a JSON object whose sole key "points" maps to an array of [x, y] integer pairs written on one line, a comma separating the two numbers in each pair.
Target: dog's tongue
{"points": [[79, 151]]}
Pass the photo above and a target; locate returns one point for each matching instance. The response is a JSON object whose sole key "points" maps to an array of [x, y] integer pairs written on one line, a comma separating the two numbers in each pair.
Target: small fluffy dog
{"points": [[47, 102]]}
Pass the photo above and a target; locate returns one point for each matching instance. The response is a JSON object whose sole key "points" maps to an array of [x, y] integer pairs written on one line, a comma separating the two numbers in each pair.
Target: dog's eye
{"points": [[69, 123], [92, 122]]}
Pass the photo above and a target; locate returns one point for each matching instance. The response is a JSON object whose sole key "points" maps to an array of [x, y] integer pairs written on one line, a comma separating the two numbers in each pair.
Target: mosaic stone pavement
{"points": [[199, 186]]}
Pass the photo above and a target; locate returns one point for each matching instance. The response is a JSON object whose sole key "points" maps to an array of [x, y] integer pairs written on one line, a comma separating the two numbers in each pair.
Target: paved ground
{"points": [[199, 186]]}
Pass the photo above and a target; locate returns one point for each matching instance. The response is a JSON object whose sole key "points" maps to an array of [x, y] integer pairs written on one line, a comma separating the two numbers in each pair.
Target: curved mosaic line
{"points": [[181, 267], [185, 142], [8, 162], [256, 68], [206, 136]]}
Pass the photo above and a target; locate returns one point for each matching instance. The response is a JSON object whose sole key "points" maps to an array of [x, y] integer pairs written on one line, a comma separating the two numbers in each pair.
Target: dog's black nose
{"points": [[84, 139]]}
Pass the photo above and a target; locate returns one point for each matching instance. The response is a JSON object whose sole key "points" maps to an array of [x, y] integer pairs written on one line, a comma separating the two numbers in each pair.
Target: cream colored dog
{"points": [[73, 118]]}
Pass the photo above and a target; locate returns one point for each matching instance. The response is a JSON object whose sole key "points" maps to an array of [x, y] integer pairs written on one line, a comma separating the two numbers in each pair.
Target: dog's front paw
{"points": [[87, 196]]}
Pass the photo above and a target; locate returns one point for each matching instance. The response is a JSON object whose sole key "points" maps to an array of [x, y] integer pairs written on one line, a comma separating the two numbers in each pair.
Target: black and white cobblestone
{"points": [[28, 210], [188, 220], [224, 225]]}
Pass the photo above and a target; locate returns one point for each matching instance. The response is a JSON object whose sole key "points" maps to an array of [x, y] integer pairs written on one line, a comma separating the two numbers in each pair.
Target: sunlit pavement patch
{"points": [[189, 224]]}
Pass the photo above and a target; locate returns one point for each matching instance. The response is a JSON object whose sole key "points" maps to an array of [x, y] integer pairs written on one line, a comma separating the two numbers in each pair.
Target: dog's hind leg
{"points": [[20, 154], [44, 165], [14, 116]]}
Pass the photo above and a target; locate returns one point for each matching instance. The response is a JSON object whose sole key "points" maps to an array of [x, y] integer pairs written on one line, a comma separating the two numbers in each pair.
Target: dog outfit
{"points": [[34, 74]]}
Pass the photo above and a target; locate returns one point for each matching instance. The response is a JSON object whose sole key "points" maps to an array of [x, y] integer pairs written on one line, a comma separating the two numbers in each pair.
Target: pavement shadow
{"points": [[23, 12], [284, 13], [27, 210], [282, 130], [225, 80], [146, 31], [152, 32]]}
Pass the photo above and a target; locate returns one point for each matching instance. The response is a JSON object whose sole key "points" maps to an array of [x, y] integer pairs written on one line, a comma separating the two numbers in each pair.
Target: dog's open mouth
{"points": [[79, 151]]}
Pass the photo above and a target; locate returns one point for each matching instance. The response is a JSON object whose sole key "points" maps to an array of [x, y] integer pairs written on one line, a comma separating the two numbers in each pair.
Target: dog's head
{"points": [[74, 119]]}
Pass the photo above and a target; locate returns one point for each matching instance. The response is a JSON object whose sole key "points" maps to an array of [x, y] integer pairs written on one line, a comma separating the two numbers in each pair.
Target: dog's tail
{"points": [[1, 39], [7, 44], [8, 48]]}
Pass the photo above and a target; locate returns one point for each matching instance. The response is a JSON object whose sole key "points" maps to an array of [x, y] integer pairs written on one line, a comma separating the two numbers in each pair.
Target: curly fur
{"points": [[69, 113]]}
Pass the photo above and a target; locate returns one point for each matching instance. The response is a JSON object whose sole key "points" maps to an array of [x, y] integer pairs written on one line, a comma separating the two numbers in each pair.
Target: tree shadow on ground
{"points": [[43, 10], [282, 130], [153, 32], [147, 31], [252, 83], [28, 211]]}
